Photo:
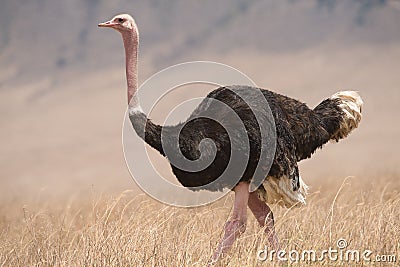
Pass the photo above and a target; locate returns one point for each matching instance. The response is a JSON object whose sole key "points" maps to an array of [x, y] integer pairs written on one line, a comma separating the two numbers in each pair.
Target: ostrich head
{"points": [[122, 23]]}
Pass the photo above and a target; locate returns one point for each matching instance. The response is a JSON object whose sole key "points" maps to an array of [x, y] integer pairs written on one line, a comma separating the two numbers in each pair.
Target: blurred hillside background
{"points": [[62, 80]]}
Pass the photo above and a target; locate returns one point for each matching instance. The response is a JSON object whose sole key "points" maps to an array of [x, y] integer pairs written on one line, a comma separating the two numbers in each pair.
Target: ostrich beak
{"points": [[107, 24]]}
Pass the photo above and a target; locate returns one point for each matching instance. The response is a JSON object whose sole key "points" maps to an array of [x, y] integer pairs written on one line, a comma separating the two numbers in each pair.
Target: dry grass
{"points": [[138, 231]]}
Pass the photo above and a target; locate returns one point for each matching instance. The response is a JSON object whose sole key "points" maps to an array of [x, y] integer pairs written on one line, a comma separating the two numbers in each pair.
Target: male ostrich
{"points": [[299, 130]]}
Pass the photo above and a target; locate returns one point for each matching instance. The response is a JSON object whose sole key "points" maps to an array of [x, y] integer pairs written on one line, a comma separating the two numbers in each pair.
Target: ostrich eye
{"points": [[120, 20]]}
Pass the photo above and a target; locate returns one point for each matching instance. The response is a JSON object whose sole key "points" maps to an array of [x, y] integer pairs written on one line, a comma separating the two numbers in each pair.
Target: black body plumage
{"points": [[299, 131]]}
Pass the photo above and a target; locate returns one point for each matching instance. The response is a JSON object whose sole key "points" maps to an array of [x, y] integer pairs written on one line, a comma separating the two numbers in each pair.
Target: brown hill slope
{"points": [[62, 82]]}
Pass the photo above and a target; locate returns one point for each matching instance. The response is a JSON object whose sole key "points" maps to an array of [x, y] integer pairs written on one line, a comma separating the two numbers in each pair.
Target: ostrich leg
{"points": [[237, 223], [264, 217]]}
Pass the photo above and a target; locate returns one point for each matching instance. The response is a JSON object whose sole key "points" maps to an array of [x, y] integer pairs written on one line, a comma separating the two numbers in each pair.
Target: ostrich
{"points": [[299, 130]]}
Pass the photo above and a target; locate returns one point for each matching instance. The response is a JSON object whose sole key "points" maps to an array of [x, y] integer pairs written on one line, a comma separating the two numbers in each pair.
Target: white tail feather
{"points": [[351, 104]]}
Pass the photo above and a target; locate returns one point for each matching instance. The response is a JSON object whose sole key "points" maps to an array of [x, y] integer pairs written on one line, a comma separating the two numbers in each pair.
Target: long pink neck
{"points": [[131, 42]]}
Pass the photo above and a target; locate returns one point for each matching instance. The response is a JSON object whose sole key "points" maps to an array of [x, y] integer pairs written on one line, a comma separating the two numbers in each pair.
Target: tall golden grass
{"points": [[135, 230]]}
